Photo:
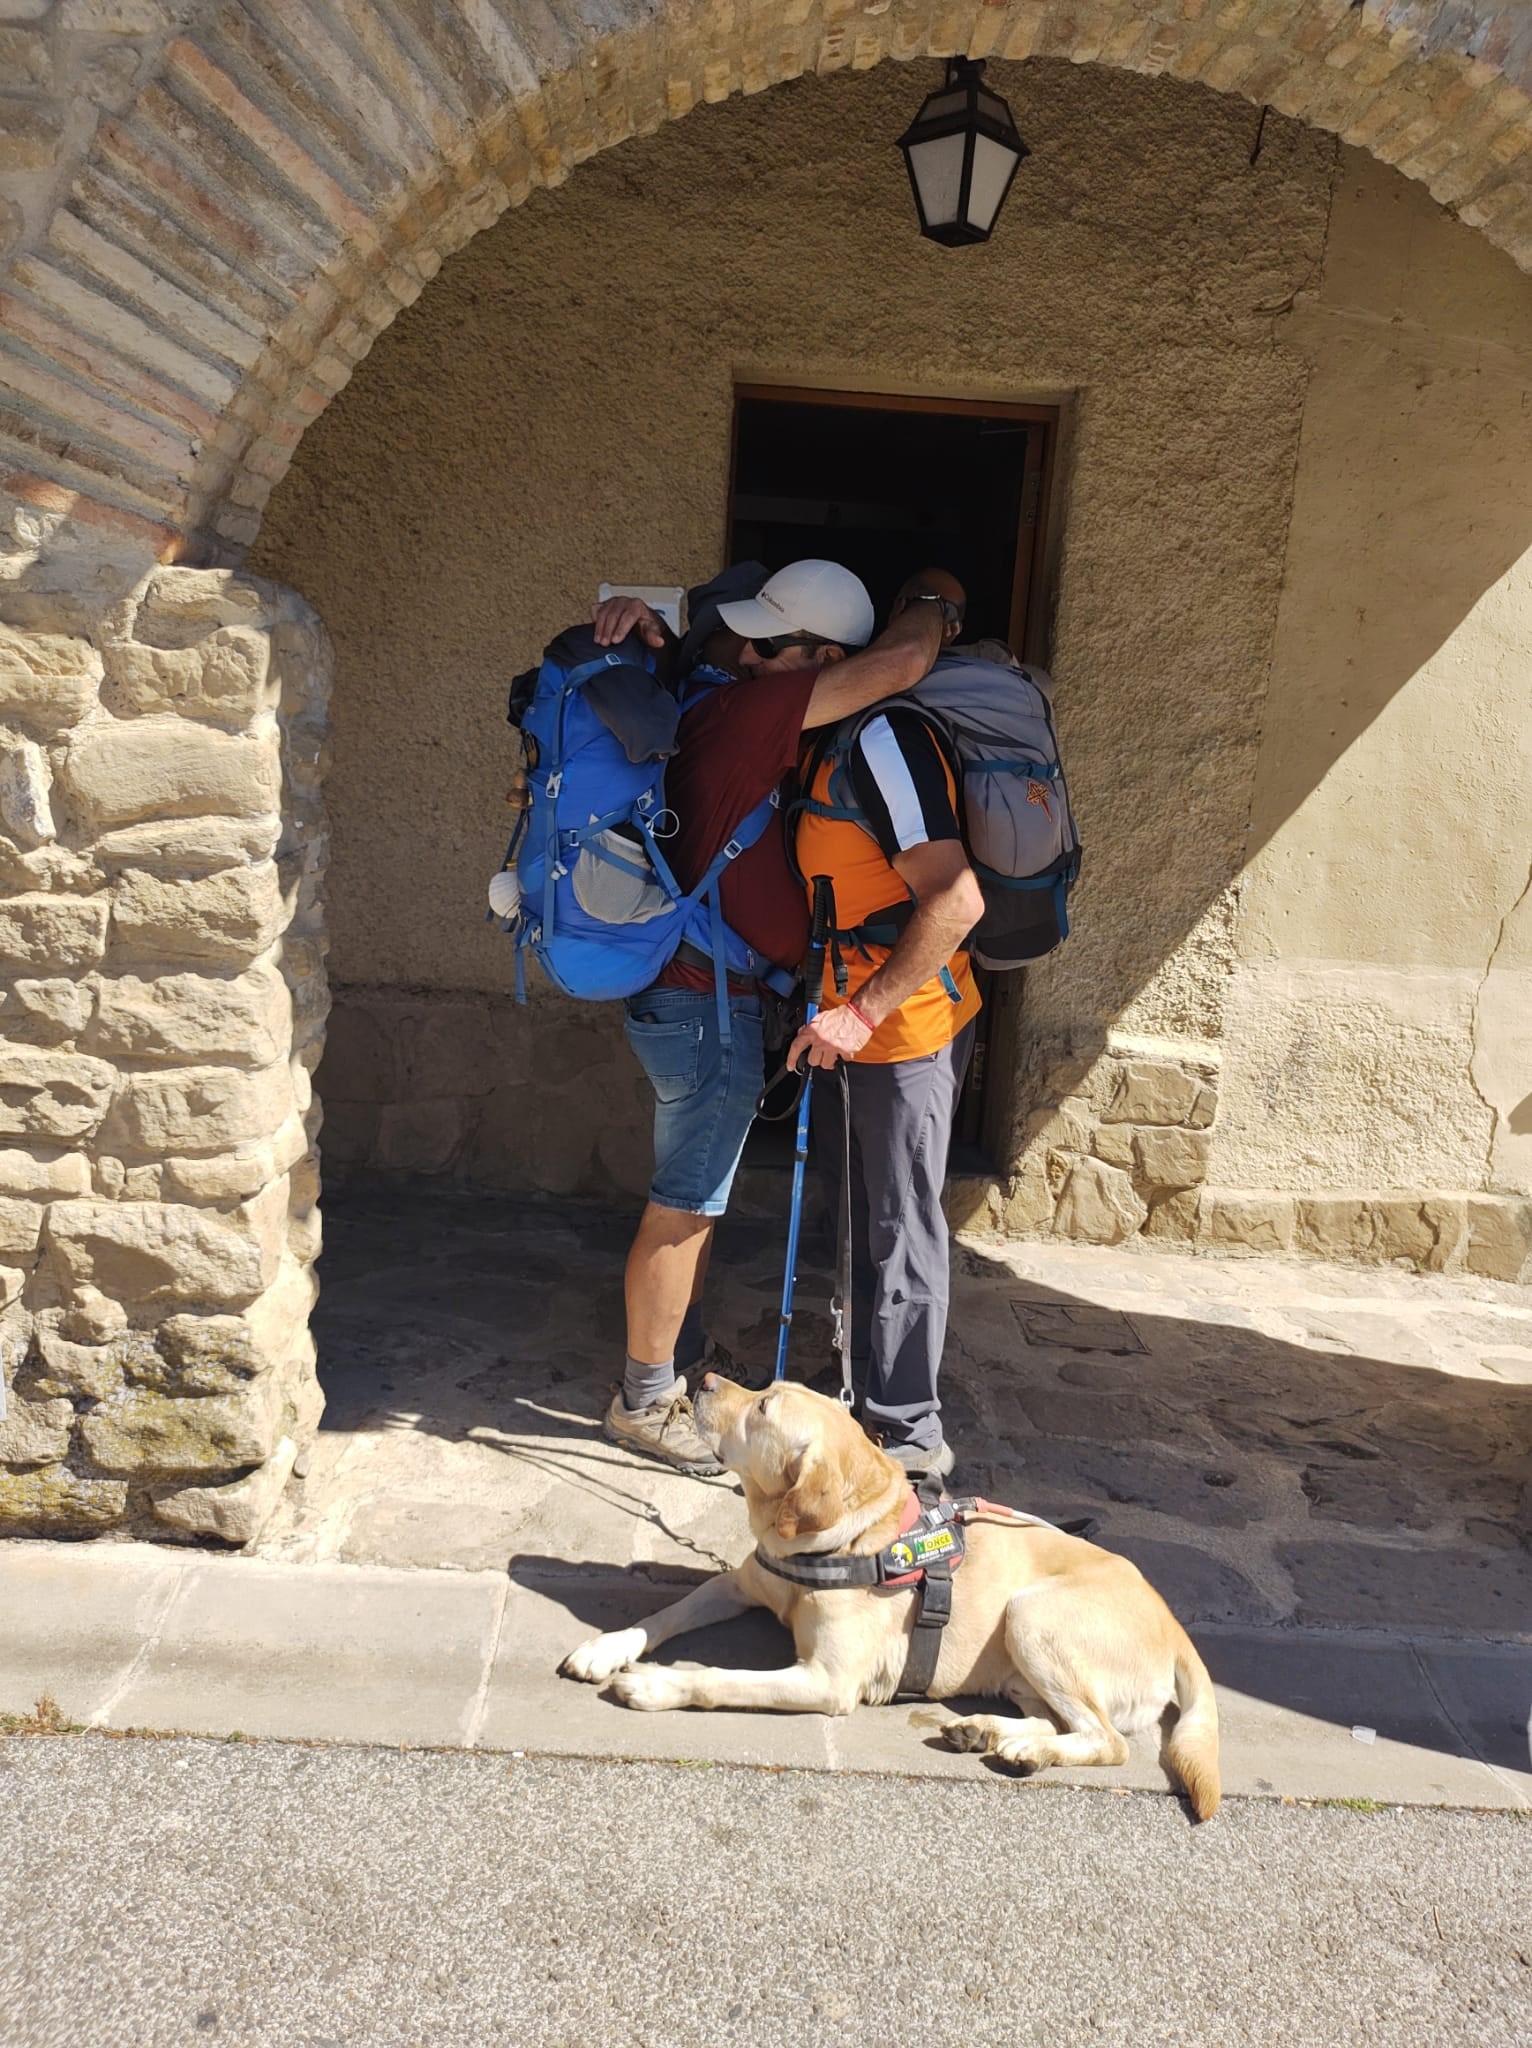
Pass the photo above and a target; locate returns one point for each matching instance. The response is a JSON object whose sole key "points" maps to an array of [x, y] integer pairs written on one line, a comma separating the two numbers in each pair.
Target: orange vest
{"points": [[865, 882]]}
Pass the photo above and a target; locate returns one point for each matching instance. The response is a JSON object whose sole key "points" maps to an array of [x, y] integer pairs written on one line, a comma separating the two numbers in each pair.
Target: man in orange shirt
{"points": [[879, 817]]}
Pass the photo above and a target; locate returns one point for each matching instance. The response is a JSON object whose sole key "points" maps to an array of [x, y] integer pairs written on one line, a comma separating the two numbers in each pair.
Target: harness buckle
{"points": [[555, 784]]}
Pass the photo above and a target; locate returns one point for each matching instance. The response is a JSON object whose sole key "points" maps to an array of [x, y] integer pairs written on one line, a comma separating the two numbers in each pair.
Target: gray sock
{"points": [[691, 1345], [645, 1386]]}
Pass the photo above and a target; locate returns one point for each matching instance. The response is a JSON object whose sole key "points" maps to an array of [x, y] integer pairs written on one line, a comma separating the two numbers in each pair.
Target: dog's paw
{"points": [[652, 1689], [595, 1661], [967, 1731]]}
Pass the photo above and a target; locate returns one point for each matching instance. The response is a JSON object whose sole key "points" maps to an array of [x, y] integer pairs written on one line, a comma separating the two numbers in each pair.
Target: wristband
{"points": [[861, 1016]]}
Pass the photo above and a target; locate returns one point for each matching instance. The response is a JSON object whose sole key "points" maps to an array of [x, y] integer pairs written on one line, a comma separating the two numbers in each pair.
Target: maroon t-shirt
{"points": [[735, 748]]}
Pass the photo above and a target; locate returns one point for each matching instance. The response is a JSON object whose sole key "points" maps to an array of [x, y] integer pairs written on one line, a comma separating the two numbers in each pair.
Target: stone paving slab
{"points": [[324, 1654], [133, 1636], [1274, 1441]]}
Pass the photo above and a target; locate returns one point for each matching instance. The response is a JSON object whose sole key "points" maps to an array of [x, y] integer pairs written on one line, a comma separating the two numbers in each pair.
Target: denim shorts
{"points": [[704, 1093]]}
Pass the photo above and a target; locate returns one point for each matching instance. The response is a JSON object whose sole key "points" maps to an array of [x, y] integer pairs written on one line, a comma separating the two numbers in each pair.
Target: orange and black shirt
{"points": [[904, 788]]}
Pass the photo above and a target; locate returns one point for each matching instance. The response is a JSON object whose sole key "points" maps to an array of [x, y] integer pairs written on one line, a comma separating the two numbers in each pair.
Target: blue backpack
{"points": [[599, 907]]}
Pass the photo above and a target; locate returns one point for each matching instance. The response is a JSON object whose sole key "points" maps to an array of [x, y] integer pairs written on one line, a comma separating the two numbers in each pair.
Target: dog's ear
{"points": [[815, 1497]]}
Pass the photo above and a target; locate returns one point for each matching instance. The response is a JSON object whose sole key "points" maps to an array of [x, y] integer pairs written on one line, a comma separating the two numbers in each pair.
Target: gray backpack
{"points": [[994, 722]]}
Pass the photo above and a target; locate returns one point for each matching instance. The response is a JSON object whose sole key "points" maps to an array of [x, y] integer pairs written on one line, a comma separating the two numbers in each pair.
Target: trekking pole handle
{"points": [[823, 913]]}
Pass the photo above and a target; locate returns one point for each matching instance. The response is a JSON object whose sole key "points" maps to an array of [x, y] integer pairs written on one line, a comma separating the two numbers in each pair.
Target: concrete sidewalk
{"points": [[134, 1636]]}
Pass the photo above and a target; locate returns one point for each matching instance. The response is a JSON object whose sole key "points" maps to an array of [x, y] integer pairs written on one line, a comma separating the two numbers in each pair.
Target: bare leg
{"points": [[664, 1277], [716, 1599]]}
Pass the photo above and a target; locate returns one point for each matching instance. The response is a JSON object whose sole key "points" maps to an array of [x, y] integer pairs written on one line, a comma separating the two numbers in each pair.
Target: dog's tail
{"points": [[1191, 1749]]}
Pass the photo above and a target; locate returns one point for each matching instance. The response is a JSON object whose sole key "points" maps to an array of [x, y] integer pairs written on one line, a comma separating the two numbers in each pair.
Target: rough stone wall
{"points": [[212, 210], [162, 1002]]}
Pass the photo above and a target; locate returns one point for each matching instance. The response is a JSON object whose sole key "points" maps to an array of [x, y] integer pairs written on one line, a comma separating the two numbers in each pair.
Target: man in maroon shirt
{"points": [[736, 745]]}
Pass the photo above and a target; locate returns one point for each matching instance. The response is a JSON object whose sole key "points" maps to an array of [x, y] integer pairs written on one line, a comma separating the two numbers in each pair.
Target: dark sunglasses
{"points": [[778, 643]]}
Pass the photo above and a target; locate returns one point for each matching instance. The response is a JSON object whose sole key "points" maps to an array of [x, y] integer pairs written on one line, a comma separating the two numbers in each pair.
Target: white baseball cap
{"points": [[820, 598]]}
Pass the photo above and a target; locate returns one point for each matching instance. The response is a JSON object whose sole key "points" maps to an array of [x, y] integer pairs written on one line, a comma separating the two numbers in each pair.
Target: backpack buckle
{"points": [[555, 784], [733, 850]]}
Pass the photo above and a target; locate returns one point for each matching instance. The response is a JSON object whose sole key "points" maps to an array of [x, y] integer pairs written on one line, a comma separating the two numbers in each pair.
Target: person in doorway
{"points": [[902, 1025], [814, 667]]}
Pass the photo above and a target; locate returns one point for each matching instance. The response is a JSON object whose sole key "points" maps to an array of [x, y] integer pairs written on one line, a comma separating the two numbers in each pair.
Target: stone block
{"points": [[972, 1202], [1028, 1202], [1114, 1144], [363, 1057], [158, 1252], [1170, 1158], [217, 1354], [1428, 1231], [21, 1225], [48, 680], [31, 135], [235, 1175], [53, 1095], [57, 1502], [44, 1176], [452, 1049], [88, 1372], [26, 809], [123, 770], [1067, 1127], [189, 846], [35, 1432], [224, 678], [1499, 1237], [231, 917], [1173, 1219], [45, 1012], [246, 1020], [420, 1137], [1204, 1109], [235, 1513], [1099, 1205], [52, 931], [1245, 1222], [141, 1430], [197, 1109], [1151, 1092]]}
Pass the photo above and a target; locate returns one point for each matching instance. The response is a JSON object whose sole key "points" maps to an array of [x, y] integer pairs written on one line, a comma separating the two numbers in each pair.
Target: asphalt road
{"points": [[156, 1893]]}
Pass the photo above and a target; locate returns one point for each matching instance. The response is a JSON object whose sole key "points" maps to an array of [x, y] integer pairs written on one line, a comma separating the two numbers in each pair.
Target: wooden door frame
{"points": [[1028, 622]]}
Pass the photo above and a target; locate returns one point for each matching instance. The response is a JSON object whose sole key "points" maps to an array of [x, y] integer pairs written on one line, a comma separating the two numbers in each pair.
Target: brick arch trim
{"points": [[214, 210]]}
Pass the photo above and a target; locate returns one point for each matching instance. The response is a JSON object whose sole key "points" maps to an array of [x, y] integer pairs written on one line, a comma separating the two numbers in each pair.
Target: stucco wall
{"points": [[1383, 950], [556, 407]]}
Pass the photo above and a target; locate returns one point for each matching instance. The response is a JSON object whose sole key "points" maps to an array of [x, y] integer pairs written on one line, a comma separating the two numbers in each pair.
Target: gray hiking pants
{"points": [[901, 1123]]}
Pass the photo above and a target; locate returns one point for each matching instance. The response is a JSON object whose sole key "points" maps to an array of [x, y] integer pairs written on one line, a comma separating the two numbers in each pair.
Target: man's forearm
{"points": [[902, 653], [937, 928]]}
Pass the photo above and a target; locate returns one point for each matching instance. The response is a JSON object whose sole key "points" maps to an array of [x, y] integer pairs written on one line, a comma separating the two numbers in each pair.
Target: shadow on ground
{"points": [[1273, 1443]]}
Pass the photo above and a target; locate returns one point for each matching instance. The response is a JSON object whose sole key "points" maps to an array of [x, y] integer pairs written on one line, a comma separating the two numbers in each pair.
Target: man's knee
{"points": [[660, 1225]]}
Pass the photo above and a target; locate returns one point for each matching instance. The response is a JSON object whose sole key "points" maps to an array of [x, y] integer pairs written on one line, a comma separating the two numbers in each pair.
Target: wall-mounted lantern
{"points": [[962, 151]]}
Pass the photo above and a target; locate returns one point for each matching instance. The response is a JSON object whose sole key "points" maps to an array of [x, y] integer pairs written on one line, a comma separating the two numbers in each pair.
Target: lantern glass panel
{"points": [[938, 169], [993, 164]]}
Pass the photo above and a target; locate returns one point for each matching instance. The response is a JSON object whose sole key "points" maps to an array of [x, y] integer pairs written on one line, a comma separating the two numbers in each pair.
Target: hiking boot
{"points": [[923, 1461], [666, 1432]]}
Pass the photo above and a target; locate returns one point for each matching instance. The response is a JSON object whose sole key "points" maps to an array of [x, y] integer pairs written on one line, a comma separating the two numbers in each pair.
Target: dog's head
{"points": [[812, 1480]]}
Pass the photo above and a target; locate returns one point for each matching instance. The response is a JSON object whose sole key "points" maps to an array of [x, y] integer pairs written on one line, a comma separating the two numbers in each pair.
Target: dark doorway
{"points": [[887, 485]]}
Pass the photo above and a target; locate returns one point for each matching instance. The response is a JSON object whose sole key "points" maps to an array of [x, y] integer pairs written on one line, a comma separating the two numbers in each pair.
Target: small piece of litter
{"points": [[1364, 1735]]}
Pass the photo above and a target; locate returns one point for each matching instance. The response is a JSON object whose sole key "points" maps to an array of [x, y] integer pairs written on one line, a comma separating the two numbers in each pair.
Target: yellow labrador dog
{"points": [[1074, 1636]]}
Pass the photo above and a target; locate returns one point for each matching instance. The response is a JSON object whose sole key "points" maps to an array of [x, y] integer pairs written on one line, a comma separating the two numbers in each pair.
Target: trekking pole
{"points": [[814, 980]]}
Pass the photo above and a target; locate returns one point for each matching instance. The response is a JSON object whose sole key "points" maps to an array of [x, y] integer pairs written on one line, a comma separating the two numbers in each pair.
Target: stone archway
{"points": [[210, 228], [213, 219]]}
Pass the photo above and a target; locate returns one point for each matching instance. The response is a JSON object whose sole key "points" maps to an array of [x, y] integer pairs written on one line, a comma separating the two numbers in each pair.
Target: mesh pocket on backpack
{"points": [[614, 880]]}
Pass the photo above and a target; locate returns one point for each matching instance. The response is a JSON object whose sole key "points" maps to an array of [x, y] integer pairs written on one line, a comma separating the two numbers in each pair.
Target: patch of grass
{"points": [[1356, 1805], [46, 1718]]}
